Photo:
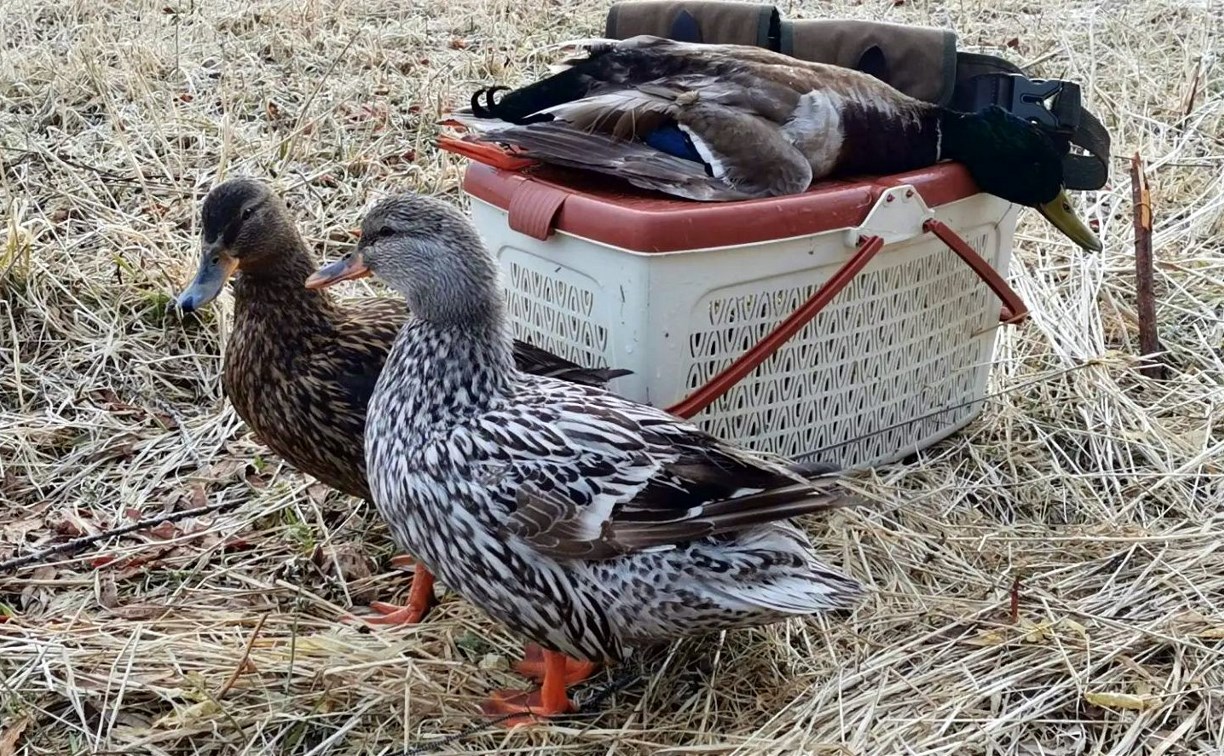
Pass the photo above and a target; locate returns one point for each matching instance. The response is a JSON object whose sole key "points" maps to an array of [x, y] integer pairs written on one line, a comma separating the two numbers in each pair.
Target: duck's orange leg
{"points": [[526, 707], [533, 666], [420, 600]]}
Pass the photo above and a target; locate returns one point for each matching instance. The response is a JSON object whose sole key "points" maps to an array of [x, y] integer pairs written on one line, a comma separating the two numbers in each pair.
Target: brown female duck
{"points": [[299, 366]]}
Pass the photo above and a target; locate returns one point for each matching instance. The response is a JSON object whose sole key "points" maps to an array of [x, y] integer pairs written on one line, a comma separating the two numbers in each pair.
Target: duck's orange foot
{"points": [[532, 666], [516, 708], [402, 560], [420, 601]]}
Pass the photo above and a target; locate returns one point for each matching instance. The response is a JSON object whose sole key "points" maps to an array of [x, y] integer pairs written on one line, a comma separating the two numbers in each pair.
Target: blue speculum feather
{"points": [[673, 141]]}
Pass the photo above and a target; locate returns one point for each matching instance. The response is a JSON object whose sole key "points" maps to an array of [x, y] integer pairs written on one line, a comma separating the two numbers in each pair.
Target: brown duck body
{"points": [[307, 403]]}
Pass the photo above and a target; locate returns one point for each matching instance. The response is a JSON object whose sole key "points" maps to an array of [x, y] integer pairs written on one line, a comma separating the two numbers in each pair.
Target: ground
{"points": [[1049, 581]]}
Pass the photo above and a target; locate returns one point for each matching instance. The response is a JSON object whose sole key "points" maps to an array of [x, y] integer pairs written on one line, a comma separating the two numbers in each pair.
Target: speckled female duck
{"points": [[300, 366], [587, 522], [731, 122]]}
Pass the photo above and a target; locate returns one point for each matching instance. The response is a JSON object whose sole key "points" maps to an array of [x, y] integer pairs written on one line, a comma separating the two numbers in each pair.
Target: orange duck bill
{"points": [[347, 268]]}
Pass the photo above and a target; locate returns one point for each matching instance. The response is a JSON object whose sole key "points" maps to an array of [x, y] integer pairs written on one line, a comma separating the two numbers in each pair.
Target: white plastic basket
{"points": [[896, 361]]}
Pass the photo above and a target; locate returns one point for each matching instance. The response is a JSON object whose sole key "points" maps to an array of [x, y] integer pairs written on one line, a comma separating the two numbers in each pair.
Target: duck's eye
{"points": [[246, 214], [385, 231]]}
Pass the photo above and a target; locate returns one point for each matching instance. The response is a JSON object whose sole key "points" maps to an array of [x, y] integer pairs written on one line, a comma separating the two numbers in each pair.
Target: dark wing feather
{"points": [[532, 359], [635, 162], [589, 475]]}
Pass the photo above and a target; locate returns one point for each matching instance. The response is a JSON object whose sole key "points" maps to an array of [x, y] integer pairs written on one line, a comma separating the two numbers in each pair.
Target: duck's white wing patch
{"points": [[718, 169]]}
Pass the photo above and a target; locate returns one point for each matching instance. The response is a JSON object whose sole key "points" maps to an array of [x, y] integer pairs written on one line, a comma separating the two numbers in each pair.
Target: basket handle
{"points": [[1014, 311], [752, 359]]}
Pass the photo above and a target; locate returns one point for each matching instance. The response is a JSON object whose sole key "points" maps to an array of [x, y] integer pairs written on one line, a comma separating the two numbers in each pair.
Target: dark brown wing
{"points": [[532, 359]]}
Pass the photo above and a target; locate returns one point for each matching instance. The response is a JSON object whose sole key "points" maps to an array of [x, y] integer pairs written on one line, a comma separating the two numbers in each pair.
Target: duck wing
{"points": [[537, 361], [585, 474]]}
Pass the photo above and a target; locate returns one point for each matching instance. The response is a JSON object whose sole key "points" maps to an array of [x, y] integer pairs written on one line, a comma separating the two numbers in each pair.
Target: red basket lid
{"points": [[545, 199]]}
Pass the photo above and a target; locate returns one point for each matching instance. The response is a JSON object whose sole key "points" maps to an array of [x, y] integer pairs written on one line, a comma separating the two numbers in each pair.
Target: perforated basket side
{"points": [[552, 307], [909, 336]]}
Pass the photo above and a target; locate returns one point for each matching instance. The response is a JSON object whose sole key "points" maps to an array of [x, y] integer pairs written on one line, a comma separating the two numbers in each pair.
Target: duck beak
{"points": [[1058, 212], [347, 268], [216, 267]]}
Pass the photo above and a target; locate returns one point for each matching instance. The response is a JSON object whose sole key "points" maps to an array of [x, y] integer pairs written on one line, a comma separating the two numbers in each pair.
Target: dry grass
{"points": [[1099, 490]]}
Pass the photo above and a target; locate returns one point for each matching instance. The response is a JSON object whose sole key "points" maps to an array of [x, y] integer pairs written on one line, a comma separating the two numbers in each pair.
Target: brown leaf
{"points": [[459, 43], [132, 513], [255, 479], [273, 110], [8, 741], [198, 497], [163, 531], [103, 560], [224, 470], [108, 592], [16, 530], [138, 611], [166, 420], [1014, 43], [67, 524]]}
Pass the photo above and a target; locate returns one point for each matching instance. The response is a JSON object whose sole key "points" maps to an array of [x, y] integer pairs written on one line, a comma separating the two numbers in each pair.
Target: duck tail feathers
{"points": [[801, 585]]}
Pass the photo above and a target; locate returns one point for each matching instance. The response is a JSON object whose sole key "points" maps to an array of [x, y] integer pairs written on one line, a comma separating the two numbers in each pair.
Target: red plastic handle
{"points": [[1014, 311], [752, 359]]}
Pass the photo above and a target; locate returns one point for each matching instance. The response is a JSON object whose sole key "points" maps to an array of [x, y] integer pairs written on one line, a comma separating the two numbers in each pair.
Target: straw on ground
{"points": [[226, 633]]}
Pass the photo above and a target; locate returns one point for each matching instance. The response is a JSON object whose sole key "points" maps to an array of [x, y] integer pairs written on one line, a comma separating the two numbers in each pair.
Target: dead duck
{"points": [[300, 366], [729, 122]]}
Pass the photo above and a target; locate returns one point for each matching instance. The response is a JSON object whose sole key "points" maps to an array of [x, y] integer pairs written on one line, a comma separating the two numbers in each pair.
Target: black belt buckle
{"points": [[1026, 98]]}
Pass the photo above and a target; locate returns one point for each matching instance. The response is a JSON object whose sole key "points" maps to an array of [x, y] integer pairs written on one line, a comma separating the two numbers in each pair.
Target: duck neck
{"points": [[965, 139], [277, 280], [882, 137], [452, 371]]}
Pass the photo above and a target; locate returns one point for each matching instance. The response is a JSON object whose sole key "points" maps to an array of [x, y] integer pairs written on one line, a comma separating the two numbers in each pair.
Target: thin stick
{"points": [[1149, 339], [242, 663], [77, 544]]}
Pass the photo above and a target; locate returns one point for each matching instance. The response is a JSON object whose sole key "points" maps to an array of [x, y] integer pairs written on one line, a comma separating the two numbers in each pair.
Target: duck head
{"points": [[430, 253], [1016, 160], [244, 226]]}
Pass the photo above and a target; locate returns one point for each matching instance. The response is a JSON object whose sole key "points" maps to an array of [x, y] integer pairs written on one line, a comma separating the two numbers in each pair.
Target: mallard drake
{"points": [[729, 122], [587, 522], [299, 366]]}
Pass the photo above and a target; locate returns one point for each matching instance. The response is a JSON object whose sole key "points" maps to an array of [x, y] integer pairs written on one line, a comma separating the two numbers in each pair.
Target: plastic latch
{"points": [[898, 214], [534, 207]]}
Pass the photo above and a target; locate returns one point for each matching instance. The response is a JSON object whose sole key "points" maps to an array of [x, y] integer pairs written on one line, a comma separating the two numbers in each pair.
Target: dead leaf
{"points": [[136, 612], [197, 711], [988, 638], [350, 564], [164, 531], [224, 470], [198, 497], [17, 530], [108, 592], [1127, 701], [8, 741]]}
